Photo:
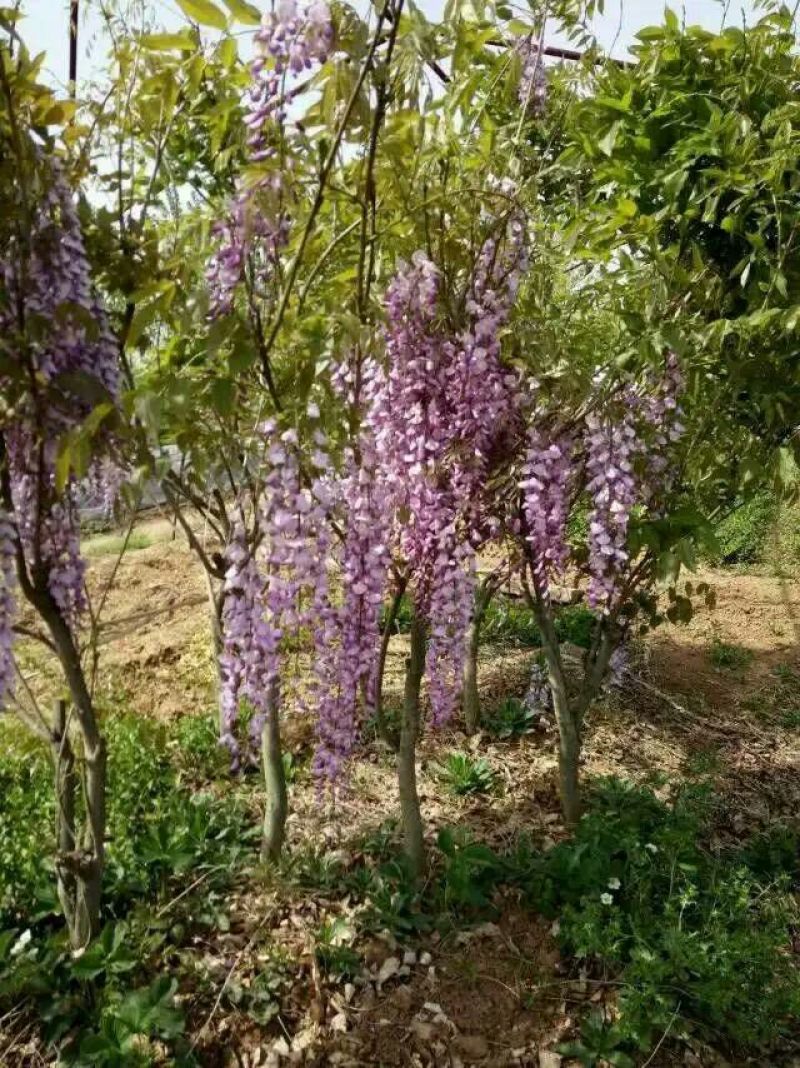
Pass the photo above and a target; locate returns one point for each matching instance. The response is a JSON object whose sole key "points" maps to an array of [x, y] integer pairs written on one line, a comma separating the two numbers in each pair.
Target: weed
{"points": [[702, 762], [463, 774], [575, 624], [510, 622], [790, 719], [728, 657], [599, 1044], [196, 748], [513, 719], [785, 673], [333, 949], [403, 616], [471, 871]]}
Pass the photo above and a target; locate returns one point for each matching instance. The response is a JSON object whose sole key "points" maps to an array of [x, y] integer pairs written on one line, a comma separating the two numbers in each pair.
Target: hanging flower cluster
{"points": [[437, 413], [294, 40], [532, 90], [346, 650], [622, 455], [546, 483], [250, 645], [662, 411], [449, 612], [611, 449], [486, 393], [291, 40], [407, 415], [274, 591], [8, 578], [55, 292]]}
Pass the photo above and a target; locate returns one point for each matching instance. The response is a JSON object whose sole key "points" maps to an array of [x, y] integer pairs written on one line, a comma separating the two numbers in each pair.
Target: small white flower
{"points": [[614, 884], [651, 848], [607, 899], [21, 943]]}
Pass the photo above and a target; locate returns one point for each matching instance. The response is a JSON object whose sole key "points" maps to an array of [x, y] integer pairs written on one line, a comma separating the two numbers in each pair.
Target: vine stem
{"points": [[319, 197]]}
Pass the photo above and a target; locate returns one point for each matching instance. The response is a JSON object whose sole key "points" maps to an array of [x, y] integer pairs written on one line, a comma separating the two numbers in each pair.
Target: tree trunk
{"points": [[470, 696], [90, 878], [85, 862], [384, 733], [413, 838], [569, 750], [276, 806], [567, 718], [66, 785], [79, 862], [216, 602]]}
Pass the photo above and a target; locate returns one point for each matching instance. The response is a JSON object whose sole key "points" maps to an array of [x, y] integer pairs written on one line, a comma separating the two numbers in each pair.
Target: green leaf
{"points": [[223, 396], [606, 143], [169, 42], [62, 111], [63, 462], [204, 12], [243, 12]]}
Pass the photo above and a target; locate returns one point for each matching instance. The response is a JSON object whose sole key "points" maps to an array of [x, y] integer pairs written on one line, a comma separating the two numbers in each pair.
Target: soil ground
{"points": [[496, 994]]}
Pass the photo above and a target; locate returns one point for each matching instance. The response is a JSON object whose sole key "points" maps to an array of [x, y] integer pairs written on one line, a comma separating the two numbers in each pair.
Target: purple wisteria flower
{"points": [[290, 41], [532, 90], [547, 477], [73, 342]]}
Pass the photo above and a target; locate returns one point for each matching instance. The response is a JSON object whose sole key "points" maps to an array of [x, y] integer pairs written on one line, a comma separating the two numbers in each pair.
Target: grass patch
{"points": [[111, 1005], [742, 536], [112, 544], [692, 940]]}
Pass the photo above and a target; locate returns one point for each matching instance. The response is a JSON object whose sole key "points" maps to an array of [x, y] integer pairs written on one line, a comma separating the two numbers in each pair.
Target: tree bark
{"points": [[470, 697], [413, 837], [276, 805]]}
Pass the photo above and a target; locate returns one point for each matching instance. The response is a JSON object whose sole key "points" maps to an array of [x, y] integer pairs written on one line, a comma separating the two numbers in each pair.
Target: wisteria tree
{"points": [[280, 234], [59, 420], [616, 463]]}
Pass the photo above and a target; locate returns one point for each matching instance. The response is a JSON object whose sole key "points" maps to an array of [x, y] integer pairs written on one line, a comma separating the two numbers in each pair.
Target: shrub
{"points": [[574, 623], [742, 535]]}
